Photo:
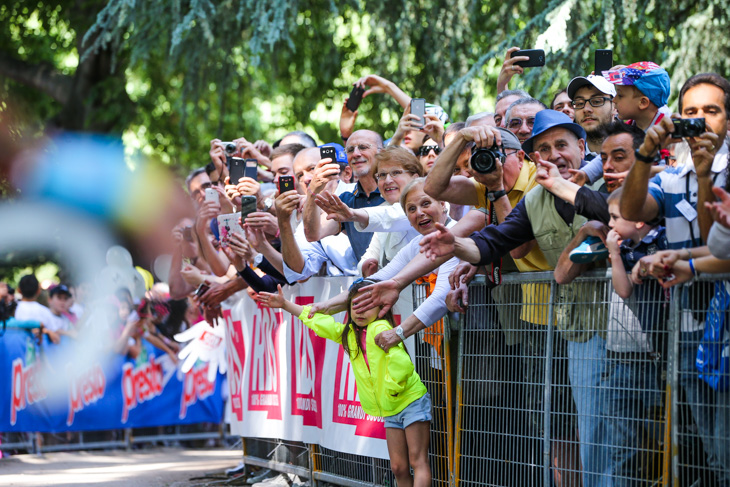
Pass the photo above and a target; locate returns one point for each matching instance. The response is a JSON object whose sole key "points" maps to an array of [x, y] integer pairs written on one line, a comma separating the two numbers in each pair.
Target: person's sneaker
{"points": [[590, 250], [281, 480], [259, 476], [237, 470]]}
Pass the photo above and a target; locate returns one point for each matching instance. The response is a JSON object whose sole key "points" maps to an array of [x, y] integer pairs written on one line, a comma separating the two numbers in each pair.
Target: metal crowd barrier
{"points": [[110, 439], [524, 396]]}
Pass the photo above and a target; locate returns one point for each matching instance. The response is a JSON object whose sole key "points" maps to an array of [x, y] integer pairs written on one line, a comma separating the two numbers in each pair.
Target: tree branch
{"points": [[42, 77]]}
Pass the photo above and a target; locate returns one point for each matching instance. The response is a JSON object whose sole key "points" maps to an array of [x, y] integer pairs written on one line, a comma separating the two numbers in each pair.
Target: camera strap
{"points": [[494, 270]]}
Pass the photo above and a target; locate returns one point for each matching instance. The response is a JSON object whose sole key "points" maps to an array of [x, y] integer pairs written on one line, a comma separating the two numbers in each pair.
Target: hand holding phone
{"points": [[355, 98], [286, 183], [211, 195], [418, 108], [537, 58], [328, 152]]}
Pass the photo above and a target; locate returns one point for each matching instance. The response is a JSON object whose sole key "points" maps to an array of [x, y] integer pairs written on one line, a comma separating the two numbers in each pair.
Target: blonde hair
{"points": [[414, 184]]}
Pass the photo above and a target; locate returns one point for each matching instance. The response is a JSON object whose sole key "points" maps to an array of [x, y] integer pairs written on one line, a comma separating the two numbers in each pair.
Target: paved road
{"points": [[141, 468]]}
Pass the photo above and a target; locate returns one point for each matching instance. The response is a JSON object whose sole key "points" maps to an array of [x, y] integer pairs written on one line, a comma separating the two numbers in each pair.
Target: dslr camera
{"points": [[689, 127], [484, 160]]}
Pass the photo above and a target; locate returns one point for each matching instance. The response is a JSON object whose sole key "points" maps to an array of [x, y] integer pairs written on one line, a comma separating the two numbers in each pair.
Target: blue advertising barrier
{"points": [[114, 394]]}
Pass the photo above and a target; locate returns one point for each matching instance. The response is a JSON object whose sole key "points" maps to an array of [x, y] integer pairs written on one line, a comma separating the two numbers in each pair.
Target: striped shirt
{"points": [[676, 184]]}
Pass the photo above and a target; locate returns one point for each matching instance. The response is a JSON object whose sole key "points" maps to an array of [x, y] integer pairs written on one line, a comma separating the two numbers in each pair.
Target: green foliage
{"points": [[174, 74]]}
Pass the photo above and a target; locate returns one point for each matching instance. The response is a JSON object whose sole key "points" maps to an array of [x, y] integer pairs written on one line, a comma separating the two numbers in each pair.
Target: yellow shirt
{"points": [[534, 260]]}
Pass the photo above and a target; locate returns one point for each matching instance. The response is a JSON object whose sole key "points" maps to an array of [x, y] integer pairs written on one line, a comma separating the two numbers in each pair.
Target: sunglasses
{"points": [[425, 149]]}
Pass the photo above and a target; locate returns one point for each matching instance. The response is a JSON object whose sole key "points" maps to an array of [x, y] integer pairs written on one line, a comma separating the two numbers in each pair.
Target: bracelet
{"points": [[648, 160], [689, 253], [344, 139], [692, 268]]}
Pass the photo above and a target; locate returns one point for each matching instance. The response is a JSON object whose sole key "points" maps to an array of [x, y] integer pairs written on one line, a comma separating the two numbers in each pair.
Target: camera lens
{"points": [[231, 148], [485, 160]]}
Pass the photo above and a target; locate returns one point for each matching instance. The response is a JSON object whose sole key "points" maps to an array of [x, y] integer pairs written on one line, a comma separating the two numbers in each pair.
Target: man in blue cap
{"points": [[553, 223]]}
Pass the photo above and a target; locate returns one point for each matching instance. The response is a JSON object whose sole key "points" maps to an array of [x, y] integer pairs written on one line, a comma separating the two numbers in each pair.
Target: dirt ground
{"points": [[141, 468]]}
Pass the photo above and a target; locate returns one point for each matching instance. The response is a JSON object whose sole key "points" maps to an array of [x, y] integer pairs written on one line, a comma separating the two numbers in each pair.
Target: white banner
{"points": [[286, 382]]}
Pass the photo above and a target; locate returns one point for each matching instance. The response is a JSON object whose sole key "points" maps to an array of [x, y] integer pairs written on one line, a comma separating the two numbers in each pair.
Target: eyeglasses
{"points": [[202, 188], [516, 123], [507, 154], [393, 174], [595, 102], [425, 149], [362, 147]]}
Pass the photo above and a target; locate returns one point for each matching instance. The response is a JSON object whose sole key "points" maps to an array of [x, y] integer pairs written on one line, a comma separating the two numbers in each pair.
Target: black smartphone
{"points": [[252, 169], [537, 58], [688, 127], [248, 206], [355, 98], [286, 183], [328, 152], [201, 289], [236, 170], [418, 107], [603, 61]]}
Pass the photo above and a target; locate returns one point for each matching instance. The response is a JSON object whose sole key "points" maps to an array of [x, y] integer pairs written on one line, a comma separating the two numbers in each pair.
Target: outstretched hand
{"points": [[272, 300], [547, 172], [384, 294], [334, 207], [439, 243]]}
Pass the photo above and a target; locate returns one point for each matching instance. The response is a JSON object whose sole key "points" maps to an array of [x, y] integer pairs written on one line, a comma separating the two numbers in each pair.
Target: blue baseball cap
{"points": [[550, 119], [649, 78], [340, 154]]}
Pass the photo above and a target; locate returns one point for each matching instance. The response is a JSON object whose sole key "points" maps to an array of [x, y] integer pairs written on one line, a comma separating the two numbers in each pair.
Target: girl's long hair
{"points": [[351, 326]]}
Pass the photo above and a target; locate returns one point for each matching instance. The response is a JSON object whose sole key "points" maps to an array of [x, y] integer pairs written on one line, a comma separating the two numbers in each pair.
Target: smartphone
{"points": [[286, 183], [187, 234], [230, 223], [328, 152], [252, 169], [355, 98], [211, 195], [202, 289], [603, 61], [248, 206], [236, 170], [418, 107], [537, 58]]}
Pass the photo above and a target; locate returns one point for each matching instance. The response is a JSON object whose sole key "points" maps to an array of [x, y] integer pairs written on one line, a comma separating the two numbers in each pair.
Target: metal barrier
{"points": [[108, 439], [565, 385]]}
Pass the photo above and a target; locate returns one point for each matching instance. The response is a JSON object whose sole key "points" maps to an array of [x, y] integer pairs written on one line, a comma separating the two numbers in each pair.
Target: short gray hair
{"points": [[506, 93], [522, 101], [477, 116]]}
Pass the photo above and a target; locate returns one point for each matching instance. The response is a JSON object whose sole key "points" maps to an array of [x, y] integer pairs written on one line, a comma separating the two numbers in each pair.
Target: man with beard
{"points": [[592, 100]]}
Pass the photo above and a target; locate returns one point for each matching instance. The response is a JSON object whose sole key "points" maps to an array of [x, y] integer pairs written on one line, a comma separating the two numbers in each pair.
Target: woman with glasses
{"points": [[395, 167], [428, 153]]}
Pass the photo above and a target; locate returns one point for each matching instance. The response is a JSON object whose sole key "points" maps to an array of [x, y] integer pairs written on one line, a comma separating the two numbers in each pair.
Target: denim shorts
{"points": [[418, 410]]}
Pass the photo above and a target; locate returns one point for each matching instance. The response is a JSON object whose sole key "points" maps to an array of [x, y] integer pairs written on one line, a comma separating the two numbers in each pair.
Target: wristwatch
{"points": [[495, 195], [399, 332], [648, 160], [268, 203]]}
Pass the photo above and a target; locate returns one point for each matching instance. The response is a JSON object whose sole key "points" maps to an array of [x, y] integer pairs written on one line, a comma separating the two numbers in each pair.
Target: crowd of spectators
{"points": [[605, 176]]}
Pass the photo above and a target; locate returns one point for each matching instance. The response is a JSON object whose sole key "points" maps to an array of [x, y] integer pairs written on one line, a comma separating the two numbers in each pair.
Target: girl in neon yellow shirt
{"points": [[387, 382]]}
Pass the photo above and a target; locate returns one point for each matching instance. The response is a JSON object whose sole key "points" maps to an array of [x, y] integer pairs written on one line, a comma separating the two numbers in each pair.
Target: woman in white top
{"points": [[423, 212], [395, 167]]}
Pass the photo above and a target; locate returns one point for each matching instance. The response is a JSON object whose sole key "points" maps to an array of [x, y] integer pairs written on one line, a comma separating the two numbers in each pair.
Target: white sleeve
{"points": [[593, 169], [385, 218], [434, 307], [719, 241], [374, 251], [401, 259]]}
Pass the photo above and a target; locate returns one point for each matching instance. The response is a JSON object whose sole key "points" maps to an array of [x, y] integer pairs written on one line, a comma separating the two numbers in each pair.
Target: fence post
{"points": [[547, 405], [675, 325]]}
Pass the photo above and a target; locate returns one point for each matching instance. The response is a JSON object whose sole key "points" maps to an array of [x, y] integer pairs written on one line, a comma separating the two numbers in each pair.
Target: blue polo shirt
{"points": [[356, 199]]}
